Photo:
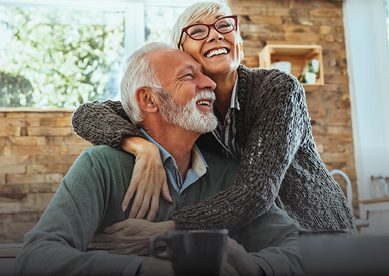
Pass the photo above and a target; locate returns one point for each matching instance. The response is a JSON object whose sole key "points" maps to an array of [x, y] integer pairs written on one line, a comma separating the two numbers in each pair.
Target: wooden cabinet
{"points": [[298, 56]]}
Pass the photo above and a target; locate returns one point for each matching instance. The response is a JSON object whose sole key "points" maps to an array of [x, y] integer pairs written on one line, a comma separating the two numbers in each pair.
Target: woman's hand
{"points": [[148, 179], [130, 236], [141, 227]]}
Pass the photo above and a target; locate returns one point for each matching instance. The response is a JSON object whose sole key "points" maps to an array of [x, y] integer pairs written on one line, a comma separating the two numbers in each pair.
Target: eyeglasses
{"points": [[223, 25]]}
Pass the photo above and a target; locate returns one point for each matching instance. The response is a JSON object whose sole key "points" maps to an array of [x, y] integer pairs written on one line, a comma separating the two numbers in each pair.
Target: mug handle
{"points": [[152, 247]]}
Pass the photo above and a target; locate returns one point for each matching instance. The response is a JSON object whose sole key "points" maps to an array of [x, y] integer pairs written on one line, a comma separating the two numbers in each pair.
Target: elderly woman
{"points": [[262, 121]]}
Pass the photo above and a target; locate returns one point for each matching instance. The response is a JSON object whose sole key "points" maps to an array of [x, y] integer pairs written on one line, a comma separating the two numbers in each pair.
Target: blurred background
{"points": [[56, 55]]}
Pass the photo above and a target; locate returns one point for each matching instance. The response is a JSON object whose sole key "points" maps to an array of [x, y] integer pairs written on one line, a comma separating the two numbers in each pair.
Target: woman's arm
{"points": [[148, 179], [103, 123], [277, 128], [107, 123]]}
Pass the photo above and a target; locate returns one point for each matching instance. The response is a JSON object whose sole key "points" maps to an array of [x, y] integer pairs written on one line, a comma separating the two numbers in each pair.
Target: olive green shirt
{"points": [[89, 199]]}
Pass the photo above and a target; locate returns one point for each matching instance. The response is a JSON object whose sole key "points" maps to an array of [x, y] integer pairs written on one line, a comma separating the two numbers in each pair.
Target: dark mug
{"points": [[194, 252]]}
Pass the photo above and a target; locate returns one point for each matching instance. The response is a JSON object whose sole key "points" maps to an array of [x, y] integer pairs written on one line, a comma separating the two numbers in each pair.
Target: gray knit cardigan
{"points": [[279, 157]]}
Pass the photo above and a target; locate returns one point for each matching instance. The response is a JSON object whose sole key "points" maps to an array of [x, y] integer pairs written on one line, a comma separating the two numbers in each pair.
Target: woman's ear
{"points": [[241, 52], [146, 100]]}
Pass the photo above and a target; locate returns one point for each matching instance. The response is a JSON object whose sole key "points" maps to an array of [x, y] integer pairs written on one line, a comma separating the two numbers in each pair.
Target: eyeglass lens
{"points": [[201, 31]]}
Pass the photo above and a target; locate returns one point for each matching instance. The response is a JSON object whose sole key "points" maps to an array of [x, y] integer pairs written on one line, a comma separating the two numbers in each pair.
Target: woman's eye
{"points": [[197, 31], [224, 25]]}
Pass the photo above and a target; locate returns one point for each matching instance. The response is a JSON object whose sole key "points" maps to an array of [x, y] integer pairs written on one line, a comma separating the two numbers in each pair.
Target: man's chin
{"points": [[205, 110]]}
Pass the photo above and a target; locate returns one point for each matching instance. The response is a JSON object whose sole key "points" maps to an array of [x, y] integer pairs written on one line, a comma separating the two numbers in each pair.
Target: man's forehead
{"points": [[175, 60]]}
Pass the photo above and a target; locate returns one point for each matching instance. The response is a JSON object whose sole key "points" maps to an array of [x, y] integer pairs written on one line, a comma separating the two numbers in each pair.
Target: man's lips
{"points": [[205, 105], [205, 102]]}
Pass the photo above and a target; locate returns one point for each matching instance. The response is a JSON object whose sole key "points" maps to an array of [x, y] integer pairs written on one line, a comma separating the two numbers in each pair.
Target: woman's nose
{"points": [[214, 35]]}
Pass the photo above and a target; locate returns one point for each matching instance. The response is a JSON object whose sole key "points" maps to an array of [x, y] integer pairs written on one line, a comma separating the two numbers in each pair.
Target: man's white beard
{"points": [[187, 116]]}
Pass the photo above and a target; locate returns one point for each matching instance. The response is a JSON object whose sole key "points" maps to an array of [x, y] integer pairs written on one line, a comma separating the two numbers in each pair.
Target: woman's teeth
{"points": [[216, 52]]}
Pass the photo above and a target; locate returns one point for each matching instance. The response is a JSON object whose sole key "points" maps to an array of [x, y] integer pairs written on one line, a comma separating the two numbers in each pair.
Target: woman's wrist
{"points": [[138, 146]]}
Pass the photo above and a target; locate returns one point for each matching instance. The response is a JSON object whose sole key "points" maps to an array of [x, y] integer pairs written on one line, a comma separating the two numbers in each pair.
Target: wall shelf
{"points": [[297, 55]]}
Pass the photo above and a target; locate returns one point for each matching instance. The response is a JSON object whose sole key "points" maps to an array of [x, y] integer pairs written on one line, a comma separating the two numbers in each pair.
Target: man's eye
{"points": [[188, 76]]}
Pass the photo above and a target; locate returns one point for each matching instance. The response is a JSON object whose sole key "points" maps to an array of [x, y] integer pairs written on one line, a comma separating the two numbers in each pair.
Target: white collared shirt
{"points": [[225, 132]]}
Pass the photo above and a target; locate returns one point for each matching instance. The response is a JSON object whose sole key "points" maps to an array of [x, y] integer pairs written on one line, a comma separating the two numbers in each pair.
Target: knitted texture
{"points": [[279, 158], [103, 123]]}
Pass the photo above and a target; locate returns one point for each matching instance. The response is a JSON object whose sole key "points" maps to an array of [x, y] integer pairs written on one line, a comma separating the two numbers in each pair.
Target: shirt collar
{"points": [[234, 97], [199, 165], [164, 153]]}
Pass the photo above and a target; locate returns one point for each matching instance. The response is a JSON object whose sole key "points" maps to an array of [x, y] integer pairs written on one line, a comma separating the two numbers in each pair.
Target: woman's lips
{"points": [[216, 52]]}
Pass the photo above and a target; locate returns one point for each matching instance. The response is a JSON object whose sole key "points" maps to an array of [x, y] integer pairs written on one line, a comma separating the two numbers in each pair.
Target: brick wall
{"points": [[309, 22], [37, 148]]}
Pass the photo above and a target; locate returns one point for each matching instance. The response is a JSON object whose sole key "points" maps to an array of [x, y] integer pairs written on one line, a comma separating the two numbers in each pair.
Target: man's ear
{"points": [[146, 100]]}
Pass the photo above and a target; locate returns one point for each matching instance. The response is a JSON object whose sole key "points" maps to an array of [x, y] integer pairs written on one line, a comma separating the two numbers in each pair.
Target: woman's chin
{"points": [[218, 69]]}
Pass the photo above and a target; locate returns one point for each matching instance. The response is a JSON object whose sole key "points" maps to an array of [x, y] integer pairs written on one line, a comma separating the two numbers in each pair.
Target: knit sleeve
{"points": [[103, 123], [277, 125]]}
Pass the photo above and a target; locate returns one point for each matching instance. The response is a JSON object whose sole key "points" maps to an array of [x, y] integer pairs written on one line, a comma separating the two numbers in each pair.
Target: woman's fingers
{"points": [[144, 207], [165, 191], [153, 208], [138, 201], [136, 180], [147, 183], [129, 194]]}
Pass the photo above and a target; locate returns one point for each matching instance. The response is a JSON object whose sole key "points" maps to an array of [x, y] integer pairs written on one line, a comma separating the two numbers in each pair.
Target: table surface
{"points": [[8, 253], [9, 250]]}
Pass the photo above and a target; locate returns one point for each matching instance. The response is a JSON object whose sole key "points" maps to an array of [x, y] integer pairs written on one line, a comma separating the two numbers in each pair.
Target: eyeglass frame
{"points": [[185, 29]]}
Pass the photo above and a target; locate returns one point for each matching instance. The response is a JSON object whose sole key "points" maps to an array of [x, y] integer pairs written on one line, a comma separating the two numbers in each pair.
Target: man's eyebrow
{"points": [[184, 70]]}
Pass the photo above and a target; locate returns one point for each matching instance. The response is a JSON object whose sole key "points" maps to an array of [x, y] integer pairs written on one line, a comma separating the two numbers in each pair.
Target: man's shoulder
{"points": [[107, 154]]}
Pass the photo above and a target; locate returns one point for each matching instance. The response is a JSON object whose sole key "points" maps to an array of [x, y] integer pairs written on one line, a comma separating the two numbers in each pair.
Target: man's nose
{"points": [[207, 83], [214, 35]]}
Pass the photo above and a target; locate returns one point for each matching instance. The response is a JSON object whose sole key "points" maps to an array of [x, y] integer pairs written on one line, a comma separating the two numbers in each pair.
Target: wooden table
{"points": [[8, 252]]}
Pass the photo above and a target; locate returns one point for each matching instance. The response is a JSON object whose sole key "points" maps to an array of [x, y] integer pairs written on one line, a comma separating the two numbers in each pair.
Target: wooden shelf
{"points": [[375, 200], [297, 55]]}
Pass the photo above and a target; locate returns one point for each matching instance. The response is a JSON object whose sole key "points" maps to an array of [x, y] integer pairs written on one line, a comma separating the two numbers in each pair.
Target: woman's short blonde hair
{"points": [[196, 12]]}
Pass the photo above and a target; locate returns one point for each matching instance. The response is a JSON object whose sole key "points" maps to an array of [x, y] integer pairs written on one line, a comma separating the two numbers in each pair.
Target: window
{"points": [[65, 55], [387, 18], [159, 21]]}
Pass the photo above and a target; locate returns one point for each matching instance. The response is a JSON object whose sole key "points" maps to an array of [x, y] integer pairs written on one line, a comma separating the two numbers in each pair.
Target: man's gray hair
{"points": [[196, 12], [138, 73]]}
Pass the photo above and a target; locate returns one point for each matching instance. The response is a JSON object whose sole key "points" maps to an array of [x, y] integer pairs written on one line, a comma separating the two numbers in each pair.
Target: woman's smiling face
{"points": [[217, 53]]}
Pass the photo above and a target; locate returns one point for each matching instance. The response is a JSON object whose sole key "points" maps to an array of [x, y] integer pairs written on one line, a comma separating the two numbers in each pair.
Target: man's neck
{"points": [[178, 142]]}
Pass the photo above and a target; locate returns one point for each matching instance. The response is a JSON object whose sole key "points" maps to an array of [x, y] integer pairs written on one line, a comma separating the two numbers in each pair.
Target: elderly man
{"points": [[166, 92]]}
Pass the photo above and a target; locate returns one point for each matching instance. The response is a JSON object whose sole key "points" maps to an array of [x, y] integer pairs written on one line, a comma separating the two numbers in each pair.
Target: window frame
{"points": [[134, 23]]}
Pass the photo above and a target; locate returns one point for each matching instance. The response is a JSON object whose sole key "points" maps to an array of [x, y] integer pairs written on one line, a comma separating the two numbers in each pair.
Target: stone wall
{"points": [[37, 148]]}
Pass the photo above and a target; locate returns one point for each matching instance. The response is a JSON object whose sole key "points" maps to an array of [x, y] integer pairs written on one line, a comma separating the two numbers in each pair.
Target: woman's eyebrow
{"points": [[200, 22]]}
